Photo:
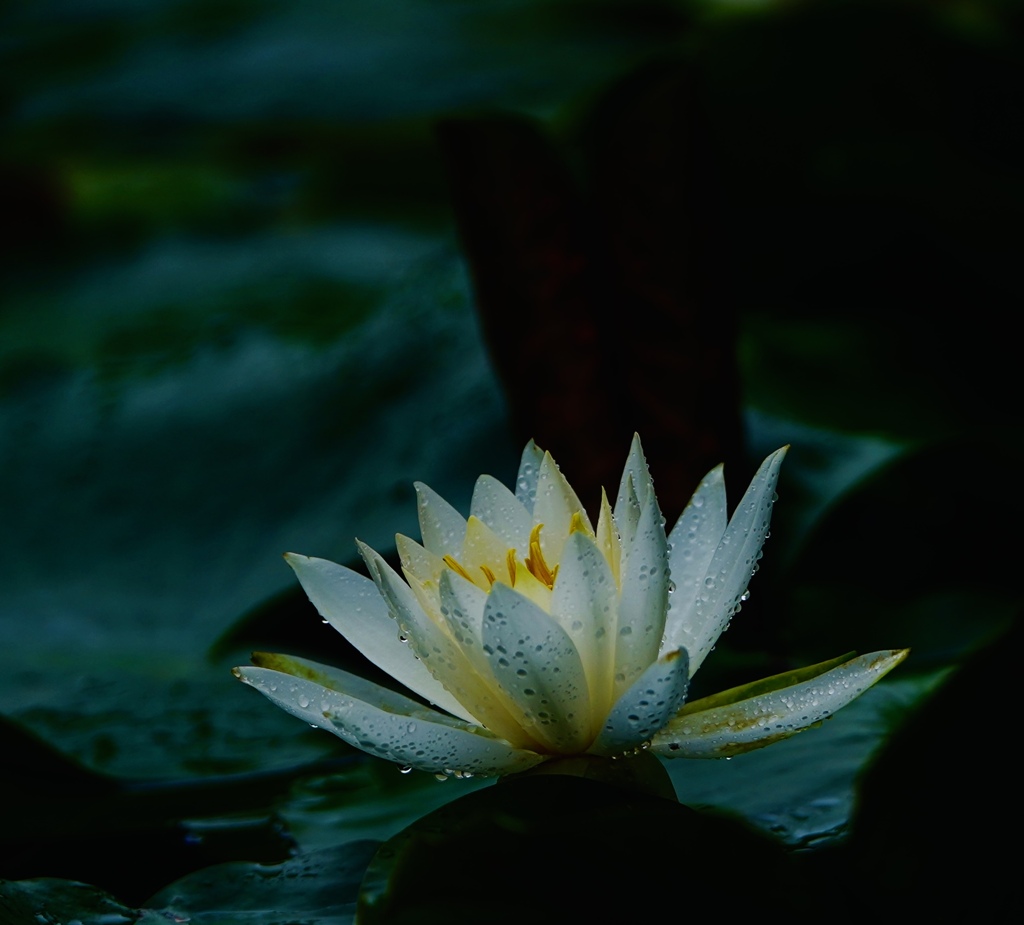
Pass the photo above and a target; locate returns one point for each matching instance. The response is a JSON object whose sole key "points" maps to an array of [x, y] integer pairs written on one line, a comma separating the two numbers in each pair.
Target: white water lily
{"points": [[537, 635]]}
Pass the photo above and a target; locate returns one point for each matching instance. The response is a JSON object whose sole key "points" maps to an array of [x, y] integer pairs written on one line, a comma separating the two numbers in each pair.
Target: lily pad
{"points": [[318, 888], [49, 901]]}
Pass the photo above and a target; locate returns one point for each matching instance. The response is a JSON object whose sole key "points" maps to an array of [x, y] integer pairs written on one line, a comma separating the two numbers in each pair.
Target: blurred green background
{"points": [[264, 264]]}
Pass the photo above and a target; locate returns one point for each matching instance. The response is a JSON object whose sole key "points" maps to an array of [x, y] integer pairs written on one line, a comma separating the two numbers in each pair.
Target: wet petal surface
{"points": [[718, 726]]}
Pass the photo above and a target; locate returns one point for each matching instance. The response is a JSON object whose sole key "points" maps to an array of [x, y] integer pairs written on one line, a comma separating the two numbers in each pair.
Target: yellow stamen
{"points": [[489, 575], [455, 567], [576, 525], [535, 560], [510, 561]]}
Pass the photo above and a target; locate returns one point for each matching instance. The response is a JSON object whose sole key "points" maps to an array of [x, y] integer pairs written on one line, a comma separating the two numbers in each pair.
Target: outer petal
{"points": [[354, 607], [529, 470], [539, 669], [692, 543], [733, 564], [635, 487], [646, 707], [417, 560], [759, 714], [441, 526], [442, 656], [644, 598], [497, 507], [381, 722]]}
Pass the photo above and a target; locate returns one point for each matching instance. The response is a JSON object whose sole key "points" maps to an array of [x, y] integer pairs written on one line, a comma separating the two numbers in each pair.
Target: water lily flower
{"points": [[528, 633]]}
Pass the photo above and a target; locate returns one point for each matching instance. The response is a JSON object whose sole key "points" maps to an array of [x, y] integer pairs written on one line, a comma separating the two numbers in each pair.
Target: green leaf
{"points": [[317, 888]]}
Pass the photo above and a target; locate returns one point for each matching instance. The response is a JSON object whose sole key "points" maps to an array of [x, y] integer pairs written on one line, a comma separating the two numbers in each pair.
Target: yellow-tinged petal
{"points": [[721, 726], [533, 588], [382, 722], [482, 547], [607, 536], [418, 560], [554, 507]]}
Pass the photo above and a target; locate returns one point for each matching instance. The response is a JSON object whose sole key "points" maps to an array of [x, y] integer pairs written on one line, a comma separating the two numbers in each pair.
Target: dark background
{"points": [[264, 264]]}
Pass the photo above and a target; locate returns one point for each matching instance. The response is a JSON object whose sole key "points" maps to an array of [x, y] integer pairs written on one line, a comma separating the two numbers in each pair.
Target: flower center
{"points": [[534, 562]]}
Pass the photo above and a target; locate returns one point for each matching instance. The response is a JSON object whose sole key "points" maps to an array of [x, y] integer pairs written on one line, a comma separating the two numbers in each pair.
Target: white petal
{"points": [[607, 536], [497, 507], [529, 470], [442, 656], [462, 606], [635, 487], [692, 543], [627, 513], [354, 607], [417, 560], [555, 504], [538, 668], [738, 726], [733, 564], [288, 676], [644, 600], [441, 526], [585, 603], [384, 724], [644, 709]]}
